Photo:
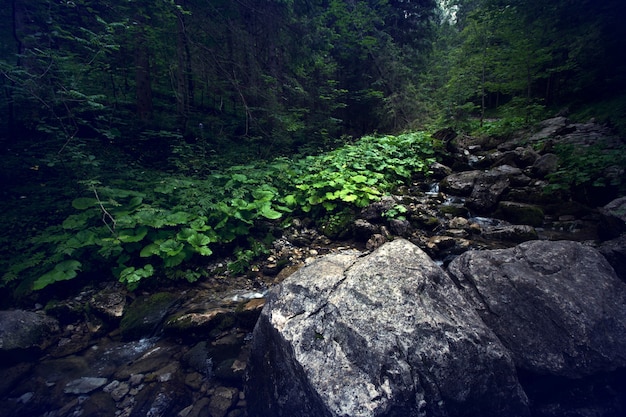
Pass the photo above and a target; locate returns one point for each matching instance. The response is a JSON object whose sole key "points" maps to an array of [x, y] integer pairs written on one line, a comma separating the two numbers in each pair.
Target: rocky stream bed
{"points": [[183, 351]]}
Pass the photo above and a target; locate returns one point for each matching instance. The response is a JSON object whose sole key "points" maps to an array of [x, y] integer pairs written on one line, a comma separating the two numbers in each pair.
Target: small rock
{"points": [[222, 400], [84, 385]]}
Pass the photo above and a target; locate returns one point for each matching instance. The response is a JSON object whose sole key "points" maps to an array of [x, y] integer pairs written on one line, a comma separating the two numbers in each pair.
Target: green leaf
{"points": [[198, 239], [269, 213], [83, 203], [63, 271], [131, 276], [180, 217], [132, 235], [149, 250], [76, 221], [171, 247]]}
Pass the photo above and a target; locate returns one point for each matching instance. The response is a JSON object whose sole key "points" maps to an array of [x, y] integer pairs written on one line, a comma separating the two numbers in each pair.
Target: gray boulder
{"points": [[557, 306], [26, 331], [387, 334]]}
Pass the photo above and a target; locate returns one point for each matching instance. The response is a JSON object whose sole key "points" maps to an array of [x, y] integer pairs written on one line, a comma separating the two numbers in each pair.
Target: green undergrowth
{"points": [[150, 224]]}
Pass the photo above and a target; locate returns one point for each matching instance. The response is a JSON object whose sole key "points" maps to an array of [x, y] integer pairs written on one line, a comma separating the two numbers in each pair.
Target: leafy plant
{"points": [[173, 220], [588, 166]]}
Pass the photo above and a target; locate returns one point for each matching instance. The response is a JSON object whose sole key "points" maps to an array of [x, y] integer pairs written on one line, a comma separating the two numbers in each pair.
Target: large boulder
{"points": [[388, 334], [26, 332], [557, 306]]}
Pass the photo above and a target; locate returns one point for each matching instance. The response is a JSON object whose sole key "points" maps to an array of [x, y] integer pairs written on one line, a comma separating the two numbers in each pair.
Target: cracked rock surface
{"points": [[387, 334]]}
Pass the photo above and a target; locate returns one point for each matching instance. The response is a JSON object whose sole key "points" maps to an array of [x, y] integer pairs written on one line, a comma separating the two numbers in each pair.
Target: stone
{"points": [[613, 219], [520, 213], [439, 171], [615, 252], [387, 334], [222, 400], [461, 183], [510, 233], [489, 186], [24, 330], [544, 165], [363, 230], [557, 306], [144, 316], [109, 302], [84, 385]]}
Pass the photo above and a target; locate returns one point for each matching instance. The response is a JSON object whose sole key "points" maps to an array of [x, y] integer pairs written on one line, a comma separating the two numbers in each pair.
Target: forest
{"points": [[141, 137]]}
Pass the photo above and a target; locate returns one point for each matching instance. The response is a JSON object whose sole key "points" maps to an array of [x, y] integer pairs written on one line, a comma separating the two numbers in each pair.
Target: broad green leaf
{"points": [[132, 235], [76, 221], [269, 213], [83, 203], [63, 271], [171, 247], [149, 250], [198, 240]]}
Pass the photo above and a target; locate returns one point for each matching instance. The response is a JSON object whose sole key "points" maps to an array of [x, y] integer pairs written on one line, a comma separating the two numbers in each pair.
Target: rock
{"points": [[487, 190], [25, 331], [613, 221], [510, 233], [439, 171], [195, 325], [145, 315], [377, 209], [520, 213], [557, 306], [615, 252], [222, 400], [387, 334], [109, 302], [363, 230], [544, 165], [84, 385], [460, 184], [550, 127]]}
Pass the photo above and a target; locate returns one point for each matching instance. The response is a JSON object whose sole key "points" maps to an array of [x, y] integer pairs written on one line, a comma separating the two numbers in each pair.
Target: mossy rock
{"points": [[520, 213], [144, 316]]}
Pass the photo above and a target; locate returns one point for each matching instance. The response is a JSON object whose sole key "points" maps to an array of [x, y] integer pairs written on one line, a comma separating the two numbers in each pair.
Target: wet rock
{"points": [[145, 315], [487, 190], [222, 400], [520, 213], [439, 171], [84, 385], [383, 335], [460, 184], [196, 325], [25, 332], [510, 233], [109, 302], [557, 306]]}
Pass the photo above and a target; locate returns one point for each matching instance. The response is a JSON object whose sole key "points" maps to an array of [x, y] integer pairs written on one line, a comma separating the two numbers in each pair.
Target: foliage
{"points": [[174, 221], [588, 166], [359, 173]]}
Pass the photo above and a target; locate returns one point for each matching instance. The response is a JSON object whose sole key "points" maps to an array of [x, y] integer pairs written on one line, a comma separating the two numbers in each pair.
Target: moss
{"points": [[519, 213], [145, 314]]}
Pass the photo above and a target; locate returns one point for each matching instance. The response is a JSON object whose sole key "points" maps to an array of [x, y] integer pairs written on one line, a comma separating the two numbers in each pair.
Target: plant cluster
{"points": [[153, 222], [594, 166]]}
